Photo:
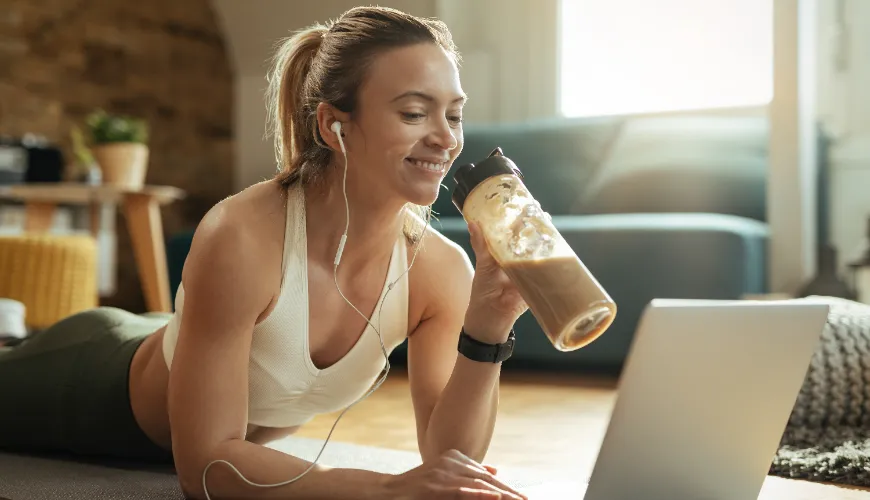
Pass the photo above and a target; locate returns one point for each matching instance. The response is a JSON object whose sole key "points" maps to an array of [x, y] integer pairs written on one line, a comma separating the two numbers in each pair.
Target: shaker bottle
{"points": [[567, 301]]}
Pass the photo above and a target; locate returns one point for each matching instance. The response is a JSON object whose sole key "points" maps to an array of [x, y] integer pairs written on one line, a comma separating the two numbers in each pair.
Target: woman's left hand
{"points": [[495, 303]]}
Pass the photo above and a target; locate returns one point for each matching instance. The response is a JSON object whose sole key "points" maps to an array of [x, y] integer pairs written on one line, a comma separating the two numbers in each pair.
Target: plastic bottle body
{"points": [[567, 301]]}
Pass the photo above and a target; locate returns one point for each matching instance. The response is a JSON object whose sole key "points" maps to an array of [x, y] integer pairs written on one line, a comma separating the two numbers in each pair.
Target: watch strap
{"points": [[476, 350]]}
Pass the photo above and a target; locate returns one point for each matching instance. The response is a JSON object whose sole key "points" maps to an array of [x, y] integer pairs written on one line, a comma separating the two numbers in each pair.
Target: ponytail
{"points": [[286, 99]]}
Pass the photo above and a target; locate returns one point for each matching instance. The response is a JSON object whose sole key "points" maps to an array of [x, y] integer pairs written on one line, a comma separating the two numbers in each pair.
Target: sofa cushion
{"points": [[715, 164], [639, 257], [557, 156]]}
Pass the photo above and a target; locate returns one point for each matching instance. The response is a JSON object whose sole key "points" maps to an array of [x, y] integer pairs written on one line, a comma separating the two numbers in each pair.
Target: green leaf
{"points": [[108, 128]]}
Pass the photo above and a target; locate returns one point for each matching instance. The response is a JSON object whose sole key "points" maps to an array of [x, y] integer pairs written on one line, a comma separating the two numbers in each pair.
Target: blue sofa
{"points": [[655, 207]]}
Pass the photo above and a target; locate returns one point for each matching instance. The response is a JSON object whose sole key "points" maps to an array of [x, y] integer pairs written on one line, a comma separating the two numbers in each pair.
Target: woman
{"points": [[263, 337]]}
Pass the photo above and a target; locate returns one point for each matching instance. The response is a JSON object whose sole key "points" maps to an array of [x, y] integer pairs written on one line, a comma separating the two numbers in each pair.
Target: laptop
{"points": [[702, 402]]}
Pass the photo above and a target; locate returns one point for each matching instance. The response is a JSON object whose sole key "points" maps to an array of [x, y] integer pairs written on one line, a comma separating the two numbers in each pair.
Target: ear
{"points": [[326, 116]]}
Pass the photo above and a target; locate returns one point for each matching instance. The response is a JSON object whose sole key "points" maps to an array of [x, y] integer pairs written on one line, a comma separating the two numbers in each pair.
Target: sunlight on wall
{"points": [[638, 56]]}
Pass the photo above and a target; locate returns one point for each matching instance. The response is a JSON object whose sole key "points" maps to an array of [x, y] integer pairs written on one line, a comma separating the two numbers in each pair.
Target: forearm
{"points": [[263, 465], [464, 417]]}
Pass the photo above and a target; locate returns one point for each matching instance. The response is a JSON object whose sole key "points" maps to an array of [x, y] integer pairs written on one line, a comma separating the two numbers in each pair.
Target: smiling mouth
{"points": [[429, 166]]}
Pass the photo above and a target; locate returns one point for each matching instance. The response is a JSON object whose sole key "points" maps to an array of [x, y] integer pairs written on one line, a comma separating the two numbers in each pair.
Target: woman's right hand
{"points": [[451, 476]]}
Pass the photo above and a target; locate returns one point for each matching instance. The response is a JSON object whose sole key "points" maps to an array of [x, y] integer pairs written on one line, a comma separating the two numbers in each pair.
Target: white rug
{"points": [[348, 455], [25, 477]]}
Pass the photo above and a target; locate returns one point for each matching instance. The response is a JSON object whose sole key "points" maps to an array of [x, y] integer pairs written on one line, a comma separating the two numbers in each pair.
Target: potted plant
{"points": [[119, 144]]}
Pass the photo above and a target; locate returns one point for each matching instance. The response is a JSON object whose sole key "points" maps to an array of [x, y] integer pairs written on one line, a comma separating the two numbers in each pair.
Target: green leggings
{"points": [[66, 389]]}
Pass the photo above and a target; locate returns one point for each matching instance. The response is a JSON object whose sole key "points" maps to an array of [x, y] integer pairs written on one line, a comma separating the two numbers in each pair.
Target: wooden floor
{"points": [[551, 423]]}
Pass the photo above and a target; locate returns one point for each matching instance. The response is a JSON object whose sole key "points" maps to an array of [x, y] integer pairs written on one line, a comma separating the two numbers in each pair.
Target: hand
{"points": [[495, 303], [451, 476]]}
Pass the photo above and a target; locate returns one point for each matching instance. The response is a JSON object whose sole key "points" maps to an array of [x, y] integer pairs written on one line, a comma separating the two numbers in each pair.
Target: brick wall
{"points": [[163, 60]]}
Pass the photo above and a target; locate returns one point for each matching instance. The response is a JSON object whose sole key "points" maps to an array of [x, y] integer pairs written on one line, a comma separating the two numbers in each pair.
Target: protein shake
{"points": [[567, 301]]}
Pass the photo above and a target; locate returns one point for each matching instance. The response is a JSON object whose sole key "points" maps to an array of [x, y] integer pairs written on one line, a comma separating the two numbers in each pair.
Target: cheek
{"points": [[398, 142], [460, 142]]}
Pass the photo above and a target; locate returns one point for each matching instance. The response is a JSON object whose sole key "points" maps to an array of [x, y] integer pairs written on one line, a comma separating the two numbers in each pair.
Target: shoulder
{"points": [[223, 231], [446, 256], [235, 242], [443, 278]]}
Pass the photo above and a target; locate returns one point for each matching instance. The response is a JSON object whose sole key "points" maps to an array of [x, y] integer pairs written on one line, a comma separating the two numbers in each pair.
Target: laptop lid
{"points": [[704, 398]]}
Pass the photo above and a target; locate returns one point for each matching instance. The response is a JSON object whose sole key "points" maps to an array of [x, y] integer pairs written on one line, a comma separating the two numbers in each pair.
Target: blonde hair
{"points": [[327, 63]]}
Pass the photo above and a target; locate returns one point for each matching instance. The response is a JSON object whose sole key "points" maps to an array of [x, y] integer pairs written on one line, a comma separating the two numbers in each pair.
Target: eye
{"points": [[412, 116], [456, 120]]}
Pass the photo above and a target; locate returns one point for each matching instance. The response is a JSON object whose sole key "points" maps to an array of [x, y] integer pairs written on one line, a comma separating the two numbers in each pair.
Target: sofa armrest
{"points": [[639, 257], [177, 248]]}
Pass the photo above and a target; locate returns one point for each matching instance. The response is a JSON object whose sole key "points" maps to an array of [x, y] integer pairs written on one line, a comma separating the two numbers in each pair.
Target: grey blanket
{"points": [[828, 434]]}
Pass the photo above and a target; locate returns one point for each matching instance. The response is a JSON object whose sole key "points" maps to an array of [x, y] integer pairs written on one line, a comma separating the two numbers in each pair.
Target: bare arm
{"points": [[456, 399], [208, 387]]}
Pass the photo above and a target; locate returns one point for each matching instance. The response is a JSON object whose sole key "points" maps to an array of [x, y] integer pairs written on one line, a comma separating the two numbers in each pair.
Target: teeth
{"points": [[434, 167]]}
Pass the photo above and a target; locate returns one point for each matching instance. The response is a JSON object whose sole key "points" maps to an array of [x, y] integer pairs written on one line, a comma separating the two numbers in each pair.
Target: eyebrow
{"points": [[426, 97]]}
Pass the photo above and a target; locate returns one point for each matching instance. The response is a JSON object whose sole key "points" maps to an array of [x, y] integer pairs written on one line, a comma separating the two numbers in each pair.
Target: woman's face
{"points": [[408, 126]]}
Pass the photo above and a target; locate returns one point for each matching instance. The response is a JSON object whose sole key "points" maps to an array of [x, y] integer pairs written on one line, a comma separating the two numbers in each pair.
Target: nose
{"points": [[443, 136]]}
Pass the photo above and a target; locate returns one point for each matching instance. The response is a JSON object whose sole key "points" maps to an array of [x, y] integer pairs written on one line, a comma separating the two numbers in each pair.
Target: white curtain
{"points": [[510, 51]]}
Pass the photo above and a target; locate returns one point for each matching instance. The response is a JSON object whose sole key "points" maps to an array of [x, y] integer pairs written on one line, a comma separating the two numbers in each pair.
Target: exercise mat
{"points": [[50, 477]]}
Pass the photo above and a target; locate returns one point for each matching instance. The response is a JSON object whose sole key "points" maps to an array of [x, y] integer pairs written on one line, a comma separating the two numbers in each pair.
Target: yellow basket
{"points": [[54, 276]]}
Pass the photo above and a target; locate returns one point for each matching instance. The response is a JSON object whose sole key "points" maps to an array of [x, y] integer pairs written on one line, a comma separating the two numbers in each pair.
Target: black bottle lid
{"points": [[467, 177]]}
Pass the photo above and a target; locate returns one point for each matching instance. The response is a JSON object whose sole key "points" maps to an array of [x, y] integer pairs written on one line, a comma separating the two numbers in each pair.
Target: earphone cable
{"points": [[379, 307]]}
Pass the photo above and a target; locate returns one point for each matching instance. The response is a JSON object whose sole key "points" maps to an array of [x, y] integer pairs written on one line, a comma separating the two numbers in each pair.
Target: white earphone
{"points": [[336, 127]]}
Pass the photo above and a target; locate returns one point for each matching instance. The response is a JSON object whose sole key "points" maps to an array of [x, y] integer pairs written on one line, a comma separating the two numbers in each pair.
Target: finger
{"points": [[478, 242], [465, 459], [514, 299], [481, 488], [464, 466], [469, 468], [471, 494], [479, 245], [476, 485], [510, 492], [474, 233]]}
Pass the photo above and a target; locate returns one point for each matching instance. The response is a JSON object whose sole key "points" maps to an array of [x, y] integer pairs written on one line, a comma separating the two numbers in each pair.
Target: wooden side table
{"points": [[141, 209]]}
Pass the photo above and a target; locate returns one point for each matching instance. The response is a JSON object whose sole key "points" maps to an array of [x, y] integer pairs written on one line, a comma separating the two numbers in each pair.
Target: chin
{"points": [[422, 187], [422, 195]]}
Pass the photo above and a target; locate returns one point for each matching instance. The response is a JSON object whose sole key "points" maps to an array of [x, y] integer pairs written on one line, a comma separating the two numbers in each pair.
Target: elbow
{"points": [[205, 468], [201, 467], [190, 478], [191, 486]]}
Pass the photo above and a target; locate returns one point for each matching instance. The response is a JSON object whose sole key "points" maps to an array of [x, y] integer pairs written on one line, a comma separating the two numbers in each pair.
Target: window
{"points": [[641, 56]]}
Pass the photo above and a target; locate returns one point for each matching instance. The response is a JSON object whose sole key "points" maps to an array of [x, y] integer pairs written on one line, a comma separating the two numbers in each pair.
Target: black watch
{"points": [[476, 350]]}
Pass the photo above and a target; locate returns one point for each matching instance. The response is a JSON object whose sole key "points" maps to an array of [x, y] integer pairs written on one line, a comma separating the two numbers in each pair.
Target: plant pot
{"points": [[123, 164]]}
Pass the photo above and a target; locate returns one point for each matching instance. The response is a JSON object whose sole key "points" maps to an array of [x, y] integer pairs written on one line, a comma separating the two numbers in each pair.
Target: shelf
{"points": [[84, 194]]}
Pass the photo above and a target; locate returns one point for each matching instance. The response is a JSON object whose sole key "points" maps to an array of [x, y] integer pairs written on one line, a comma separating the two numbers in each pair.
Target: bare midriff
{"points": [[149, 383]]}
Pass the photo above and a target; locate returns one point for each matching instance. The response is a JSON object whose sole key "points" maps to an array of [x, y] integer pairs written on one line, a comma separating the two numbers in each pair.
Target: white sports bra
{"points": [[285, 388]]}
